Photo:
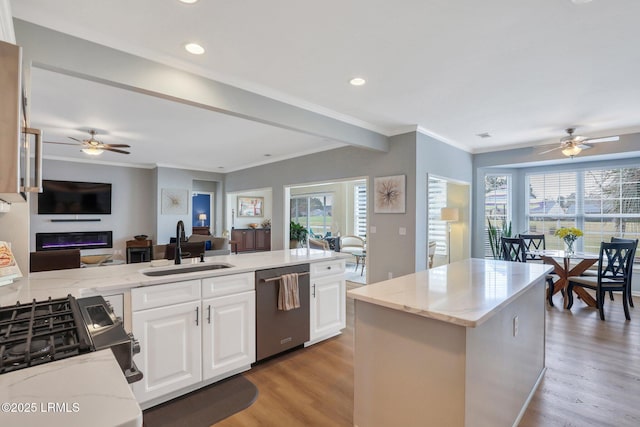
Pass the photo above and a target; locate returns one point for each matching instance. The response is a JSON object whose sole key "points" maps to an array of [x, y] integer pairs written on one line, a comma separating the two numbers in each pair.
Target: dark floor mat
{"points": [[204, 407]]}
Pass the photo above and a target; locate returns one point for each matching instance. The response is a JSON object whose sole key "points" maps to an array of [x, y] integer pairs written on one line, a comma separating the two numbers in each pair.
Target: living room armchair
{"points": [[351, 244]]}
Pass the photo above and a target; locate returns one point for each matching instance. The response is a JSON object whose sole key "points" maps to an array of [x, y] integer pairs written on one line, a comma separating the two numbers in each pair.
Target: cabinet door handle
{"points": [[209, 314], [197, 314], [314, 290]]}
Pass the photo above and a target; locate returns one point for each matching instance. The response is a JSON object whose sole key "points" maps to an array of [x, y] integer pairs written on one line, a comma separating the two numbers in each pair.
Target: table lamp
{"points": [[449, 215], [202, 217]]}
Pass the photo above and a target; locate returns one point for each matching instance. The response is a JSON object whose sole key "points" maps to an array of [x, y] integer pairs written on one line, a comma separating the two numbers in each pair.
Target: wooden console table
{"points": [[139, 251]]}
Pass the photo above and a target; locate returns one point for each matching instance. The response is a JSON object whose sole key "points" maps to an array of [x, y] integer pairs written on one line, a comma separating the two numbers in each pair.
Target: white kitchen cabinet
{"points": [[228, 333], [186, 341], [170, 355], [328, 300]]}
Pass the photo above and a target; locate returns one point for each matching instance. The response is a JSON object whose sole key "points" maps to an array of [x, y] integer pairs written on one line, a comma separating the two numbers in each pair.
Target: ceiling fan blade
{"points": [[115, 150], [583, 146], [117, 145], [76, 139], [604, 139], [61, 143], [548, 151]]}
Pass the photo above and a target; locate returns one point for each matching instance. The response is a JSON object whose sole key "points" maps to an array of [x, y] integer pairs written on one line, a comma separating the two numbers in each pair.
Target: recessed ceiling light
{"points": [[357, 81], [188, 1], [267, 155], [194, 48], [581, 1]]}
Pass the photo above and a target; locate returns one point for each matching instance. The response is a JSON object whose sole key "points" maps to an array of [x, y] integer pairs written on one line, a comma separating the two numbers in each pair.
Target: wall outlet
{"points": [[373, 229], [403, 231], [515, 326], [390, 275]]}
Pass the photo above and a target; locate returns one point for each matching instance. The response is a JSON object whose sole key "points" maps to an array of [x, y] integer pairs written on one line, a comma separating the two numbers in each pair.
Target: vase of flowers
{"points": [[569, 235]]}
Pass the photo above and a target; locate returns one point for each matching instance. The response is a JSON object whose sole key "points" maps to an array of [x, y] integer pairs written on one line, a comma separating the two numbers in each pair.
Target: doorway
{"points": [[448, 218], [202, 207]]}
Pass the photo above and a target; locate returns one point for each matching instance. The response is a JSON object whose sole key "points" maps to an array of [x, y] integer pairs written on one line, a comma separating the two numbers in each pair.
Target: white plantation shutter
{"points": [[360, 210], [497, 205], [603, 203], [437, 200]]}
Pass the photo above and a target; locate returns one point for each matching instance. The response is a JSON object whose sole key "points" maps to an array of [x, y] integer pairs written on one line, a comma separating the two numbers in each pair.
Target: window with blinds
{"points": [[437, 227], [603, 203], [360, 210], [497, 205], [314, 212]]}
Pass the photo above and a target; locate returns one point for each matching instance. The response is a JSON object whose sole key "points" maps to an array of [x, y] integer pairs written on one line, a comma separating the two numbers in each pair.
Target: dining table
{"points": [[569, 265]]}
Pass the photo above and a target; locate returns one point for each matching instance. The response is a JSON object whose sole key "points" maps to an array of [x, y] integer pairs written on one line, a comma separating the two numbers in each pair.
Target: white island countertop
{"points": [[80, 281], [84, 390], [466, 293]]}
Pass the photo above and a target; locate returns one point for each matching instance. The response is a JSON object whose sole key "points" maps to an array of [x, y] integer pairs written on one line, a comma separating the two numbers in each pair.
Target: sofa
{"points": [[216, 246]]}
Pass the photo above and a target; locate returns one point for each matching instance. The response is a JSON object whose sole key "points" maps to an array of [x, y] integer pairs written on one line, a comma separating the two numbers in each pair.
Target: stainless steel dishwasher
{"points": [[277, 330]]}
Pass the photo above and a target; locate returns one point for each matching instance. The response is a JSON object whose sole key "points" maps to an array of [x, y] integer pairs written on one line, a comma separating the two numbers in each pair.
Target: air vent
{"points": [[484, 135]]}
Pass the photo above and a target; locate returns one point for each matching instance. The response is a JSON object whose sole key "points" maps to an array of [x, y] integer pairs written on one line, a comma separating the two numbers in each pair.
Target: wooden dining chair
{"points": [[533, 242], [635, 242], [514, 249], [615, 265]]}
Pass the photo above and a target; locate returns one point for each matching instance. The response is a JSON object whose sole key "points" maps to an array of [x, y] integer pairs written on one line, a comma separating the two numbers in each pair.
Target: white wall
{"points": [[181, 179], [132, 207], [243, 222]]}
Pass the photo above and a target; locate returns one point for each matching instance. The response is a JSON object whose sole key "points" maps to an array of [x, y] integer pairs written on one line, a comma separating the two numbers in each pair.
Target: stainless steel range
{"points": [[44, 331]]}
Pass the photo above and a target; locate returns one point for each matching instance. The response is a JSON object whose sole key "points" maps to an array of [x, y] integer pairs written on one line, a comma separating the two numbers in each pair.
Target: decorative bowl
{"points": [[254, 225], [95, 259], [141, 237]]}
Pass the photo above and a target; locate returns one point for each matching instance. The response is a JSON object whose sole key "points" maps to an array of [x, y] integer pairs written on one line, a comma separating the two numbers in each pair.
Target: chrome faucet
{"points": [[179, 237]]}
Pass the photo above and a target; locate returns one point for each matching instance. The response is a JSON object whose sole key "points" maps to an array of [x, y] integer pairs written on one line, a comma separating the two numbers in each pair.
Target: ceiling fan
{"points": [[94, 147], [571, 145]]}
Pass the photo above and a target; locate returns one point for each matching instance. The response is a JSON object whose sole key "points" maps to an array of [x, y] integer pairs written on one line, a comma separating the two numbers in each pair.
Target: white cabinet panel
{"points": [[167, 294], [227, 285], [328, 309], [170, 355], [228, 333]]}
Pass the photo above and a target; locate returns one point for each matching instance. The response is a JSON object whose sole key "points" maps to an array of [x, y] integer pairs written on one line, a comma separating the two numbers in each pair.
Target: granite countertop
{"points": [[103, 279], [85, 390], [465, 293]]}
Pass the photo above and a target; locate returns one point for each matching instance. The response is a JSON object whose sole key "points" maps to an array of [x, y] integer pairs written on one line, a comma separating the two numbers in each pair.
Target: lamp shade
{"points": [[202, 217], [572, 150], [449, 214]]}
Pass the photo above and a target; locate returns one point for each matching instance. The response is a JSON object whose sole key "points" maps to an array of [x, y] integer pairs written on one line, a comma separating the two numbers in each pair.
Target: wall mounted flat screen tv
{"points": [[70, 197]]}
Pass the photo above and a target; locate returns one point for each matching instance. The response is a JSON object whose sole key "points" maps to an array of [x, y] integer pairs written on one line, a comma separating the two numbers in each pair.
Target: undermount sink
{"points": [[186, 269]]}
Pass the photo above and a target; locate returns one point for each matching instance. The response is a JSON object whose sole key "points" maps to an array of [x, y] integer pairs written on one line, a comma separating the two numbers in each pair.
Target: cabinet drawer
{"points": [[327, 268], [227, 285], [161, 295]]}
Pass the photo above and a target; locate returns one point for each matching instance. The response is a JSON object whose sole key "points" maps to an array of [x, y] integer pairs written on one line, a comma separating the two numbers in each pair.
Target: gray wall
{"points": [[436, 158], [132, 208], [184, 179], [388, 251]]}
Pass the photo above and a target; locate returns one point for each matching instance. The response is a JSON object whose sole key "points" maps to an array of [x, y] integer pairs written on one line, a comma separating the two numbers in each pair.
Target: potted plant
{"points": [[495, 236], [297, 234]]}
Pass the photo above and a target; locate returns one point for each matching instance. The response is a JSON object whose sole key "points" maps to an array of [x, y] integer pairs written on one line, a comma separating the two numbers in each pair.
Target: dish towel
{"points": [[288, 294]]}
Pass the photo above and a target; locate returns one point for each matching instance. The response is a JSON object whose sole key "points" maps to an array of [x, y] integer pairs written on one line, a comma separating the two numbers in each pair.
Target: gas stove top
{"points": [[40, 332], [44, 331]]}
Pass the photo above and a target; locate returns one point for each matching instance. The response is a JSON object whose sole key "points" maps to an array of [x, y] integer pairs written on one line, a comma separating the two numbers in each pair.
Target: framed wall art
{"points": [[250, 206], [389, 194], [175, 201]]}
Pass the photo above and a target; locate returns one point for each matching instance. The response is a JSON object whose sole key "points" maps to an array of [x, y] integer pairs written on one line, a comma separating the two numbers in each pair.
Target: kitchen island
{"points": [[457, 345]]}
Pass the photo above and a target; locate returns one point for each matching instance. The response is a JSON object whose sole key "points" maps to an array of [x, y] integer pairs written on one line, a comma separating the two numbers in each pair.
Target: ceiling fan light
{"points": [[571, 150], [92, 151]]}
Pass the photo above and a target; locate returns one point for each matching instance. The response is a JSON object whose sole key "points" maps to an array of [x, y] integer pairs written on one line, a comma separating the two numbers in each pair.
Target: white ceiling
{"points": [[519, 70]]}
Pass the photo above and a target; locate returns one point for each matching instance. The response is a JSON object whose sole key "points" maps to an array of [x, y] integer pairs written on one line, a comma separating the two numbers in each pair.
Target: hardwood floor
{"points": [[592, 378]]}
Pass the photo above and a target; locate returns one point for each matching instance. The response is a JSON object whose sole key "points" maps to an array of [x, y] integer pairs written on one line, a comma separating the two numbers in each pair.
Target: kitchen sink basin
{"points": [[186, 269]]}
